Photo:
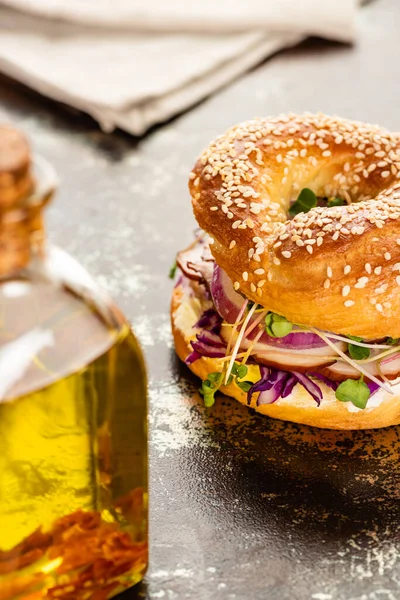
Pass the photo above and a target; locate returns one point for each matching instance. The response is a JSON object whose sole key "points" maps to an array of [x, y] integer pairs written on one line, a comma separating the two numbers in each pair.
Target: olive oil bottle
{"points": [[73, 430]]}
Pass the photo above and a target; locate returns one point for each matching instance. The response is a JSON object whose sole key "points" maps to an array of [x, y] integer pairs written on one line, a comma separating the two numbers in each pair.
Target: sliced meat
{"points": [[197, 262], [341, 370]]}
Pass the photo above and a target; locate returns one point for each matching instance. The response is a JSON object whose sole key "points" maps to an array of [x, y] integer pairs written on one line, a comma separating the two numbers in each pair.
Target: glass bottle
{"points": [[73, 430]]}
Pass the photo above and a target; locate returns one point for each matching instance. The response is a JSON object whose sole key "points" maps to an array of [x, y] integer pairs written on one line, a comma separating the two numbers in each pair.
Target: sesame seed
{"points": [[327, 283], [349, 303], [379, 307], [329, 271], [236, 285], [259, 292], [345, 290], [361, 282], [286, 254], [387, 256], [232, 244], [253, 287], [378, 270], [259, 272], [236, 167], [381, 289], [276, 261], [245, 275]]}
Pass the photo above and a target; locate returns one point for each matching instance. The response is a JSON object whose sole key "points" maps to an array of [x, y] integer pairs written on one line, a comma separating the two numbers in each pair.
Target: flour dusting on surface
{"points": [[173, 425], [152, 330]]}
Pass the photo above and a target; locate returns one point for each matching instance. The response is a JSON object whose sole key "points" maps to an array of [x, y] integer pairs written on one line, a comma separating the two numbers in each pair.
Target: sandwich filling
{"points": [[241, 333]]}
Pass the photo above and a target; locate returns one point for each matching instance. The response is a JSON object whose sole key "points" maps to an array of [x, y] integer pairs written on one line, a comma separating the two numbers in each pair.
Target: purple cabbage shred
{"points": [[275, 384], [208, 342], [210, 320]]}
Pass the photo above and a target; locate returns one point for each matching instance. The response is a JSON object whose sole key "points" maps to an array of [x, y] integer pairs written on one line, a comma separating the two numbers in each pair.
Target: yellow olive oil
{"points": [[73, 454]]}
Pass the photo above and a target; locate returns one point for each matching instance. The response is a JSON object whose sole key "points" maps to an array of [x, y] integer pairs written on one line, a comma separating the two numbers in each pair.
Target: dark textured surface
{"points": [[242, 507]]}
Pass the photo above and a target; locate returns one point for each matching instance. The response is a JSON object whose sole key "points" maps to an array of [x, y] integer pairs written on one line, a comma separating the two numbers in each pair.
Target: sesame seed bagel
{"points": [[336, 269], [299, 407]]}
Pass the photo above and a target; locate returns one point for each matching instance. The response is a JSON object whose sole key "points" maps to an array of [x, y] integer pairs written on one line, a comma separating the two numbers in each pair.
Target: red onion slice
{"points": [[227, 302]]}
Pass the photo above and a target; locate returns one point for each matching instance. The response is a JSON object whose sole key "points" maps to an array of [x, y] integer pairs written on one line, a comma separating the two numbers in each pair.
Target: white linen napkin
{"points": [[134, 63]]}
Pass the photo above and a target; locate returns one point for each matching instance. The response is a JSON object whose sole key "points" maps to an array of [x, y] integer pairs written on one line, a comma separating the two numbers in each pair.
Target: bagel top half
{"points": [[338, 268]]}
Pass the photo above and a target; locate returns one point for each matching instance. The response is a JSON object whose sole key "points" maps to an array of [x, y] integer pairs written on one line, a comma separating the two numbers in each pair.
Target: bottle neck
{"points": [[21, 237], [22, 234]]}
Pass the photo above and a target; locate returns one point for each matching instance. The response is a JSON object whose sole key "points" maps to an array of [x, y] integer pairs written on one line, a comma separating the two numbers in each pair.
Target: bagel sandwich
{"points": [[289, 297]]}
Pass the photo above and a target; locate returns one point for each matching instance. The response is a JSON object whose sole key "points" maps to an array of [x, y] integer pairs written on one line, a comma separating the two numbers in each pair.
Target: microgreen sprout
{"points": [[277, 325], [355, 391], [172, 270], [305, 202], [214, 381], [335, 202], [358, 352]]}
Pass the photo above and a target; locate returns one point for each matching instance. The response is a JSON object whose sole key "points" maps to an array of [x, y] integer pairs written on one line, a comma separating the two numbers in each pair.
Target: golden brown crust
{"points": [[299, 407], [336, 268]]}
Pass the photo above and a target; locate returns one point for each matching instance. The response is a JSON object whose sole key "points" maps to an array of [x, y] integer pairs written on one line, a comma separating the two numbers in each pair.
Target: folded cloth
{"points": [[134, 63]]}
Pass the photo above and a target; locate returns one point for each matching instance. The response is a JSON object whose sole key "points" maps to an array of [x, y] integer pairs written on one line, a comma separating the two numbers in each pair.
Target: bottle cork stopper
{"points": [[16, 181]]}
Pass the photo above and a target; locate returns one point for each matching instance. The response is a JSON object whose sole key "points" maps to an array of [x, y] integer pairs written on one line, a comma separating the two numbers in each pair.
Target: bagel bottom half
{"points": [[298, 407]]}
